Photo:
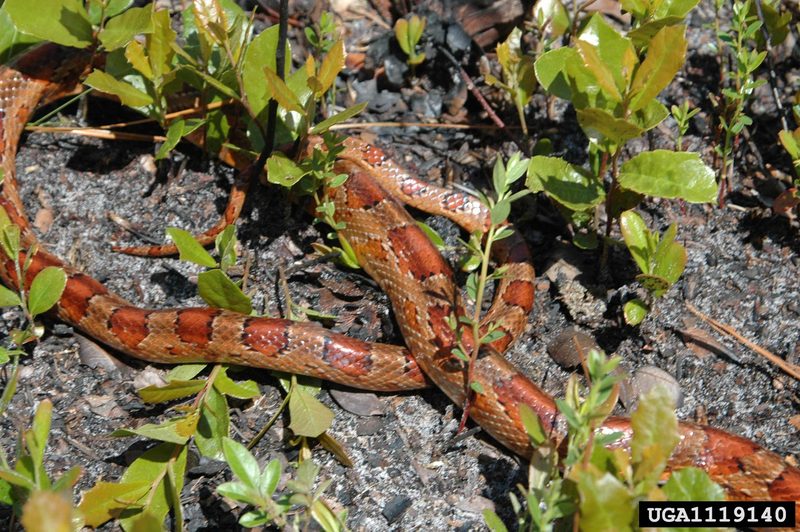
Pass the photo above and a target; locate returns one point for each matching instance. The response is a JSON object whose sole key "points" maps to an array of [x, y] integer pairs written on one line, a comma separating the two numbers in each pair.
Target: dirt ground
{"points": [[743, 269]]}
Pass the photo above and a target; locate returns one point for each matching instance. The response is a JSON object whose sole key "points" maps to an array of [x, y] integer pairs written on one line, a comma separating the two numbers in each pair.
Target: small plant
{"points": [[477, 262], [612, 81], [41, 503], [740, 81], [45, 290], [294, 509], [593, 487], [408, 33], [660, 259], [682, 114], [519, 78]]}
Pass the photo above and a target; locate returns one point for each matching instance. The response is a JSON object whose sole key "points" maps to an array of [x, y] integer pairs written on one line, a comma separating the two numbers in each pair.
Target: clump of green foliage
{"points": [[41, 503], [743, 42], [45, 291], [518, 79], [660, 259], [595, 487], [612, 80]]}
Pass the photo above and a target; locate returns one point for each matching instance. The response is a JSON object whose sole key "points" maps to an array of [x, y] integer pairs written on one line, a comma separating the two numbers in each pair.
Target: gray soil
{"points": [[743, 269]]}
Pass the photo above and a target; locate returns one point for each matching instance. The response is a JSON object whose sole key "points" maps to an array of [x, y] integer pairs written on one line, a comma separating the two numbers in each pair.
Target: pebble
{"points": [[569, 346], [393, 509], [648, 377]]}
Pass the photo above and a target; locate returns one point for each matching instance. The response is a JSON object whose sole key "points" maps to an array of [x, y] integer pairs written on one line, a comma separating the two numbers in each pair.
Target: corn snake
{"points": [[406, 266]]}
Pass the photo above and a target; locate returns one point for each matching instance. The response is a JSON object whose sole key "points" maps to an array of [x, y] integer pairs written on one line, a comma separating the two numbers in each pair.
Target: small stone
{"points": [[570, 346], [393, 509], [648, 377]]}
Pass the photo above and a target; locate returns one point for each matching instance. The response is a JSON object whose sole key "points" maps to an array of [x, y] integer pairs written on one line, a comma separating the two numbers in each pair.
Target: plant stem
{"points": [[476, 323]]}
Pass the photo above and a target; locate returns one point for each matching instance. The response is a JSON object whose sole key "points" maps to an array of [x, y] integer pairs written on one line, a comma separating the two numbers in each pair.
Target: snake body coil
{"points": [[395, 252]]}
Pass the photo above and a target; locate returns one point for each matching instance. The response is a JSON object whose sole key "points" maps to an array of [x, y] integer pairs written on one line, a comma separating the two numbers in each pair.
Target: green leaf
{"points": [[348, 113], [568, 184], [606, 504], [260, 54], [282, 170], [175, 389], [9, 298], [190, 249], [242, 462], [669, 174], [329, 69], [111, 8], [106, 500], [665, 57], [608, 55], [673, 8], [46, 290], [185, 372], [213, 426], [172, 431], [670, 261], [176, 131], [217, 289], [159, 45], [63, 22], [285, 97], [309, 417], [12, 41], [635, 311], [268, 481], [533, 425], [605, 129], [240, 390], [128, 94], [9, 238], [636, 236], [555, 12], [655, 435], [40, 431], [238, 491], [493, 521], [152, 465], [225, 245], [692, 484], [120, 30], [654, 284]]}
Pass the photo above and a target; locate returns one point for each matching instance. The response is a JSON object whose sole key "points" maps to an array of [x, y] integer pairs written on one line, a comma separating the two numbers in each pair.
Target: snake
{"points": [[397, 254]]}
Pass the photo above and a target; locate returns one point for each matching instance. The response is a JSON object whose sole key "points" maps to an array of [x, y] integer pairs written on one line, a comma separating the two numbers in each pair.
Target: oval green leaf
{"points": [[217, 289], [46, 290], [670, 174], [190, 249], [127, 94], [635, 311], [309, 417], [568, 184], [63, 22]]}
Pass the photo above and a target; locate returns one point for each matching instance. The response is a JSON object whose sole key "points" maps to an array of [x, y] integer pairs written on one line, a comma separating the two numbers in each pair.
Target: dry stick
{"points": [[369, 125], [789, 368], [474, 90], [98, 133]]}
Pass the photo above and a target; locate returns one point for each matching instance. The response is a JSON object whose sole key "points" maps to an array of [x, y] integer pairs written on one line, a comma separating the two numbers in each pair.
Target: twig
{"points": [[98, 133], [369, 125], [474, 90], [789, 368]]}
